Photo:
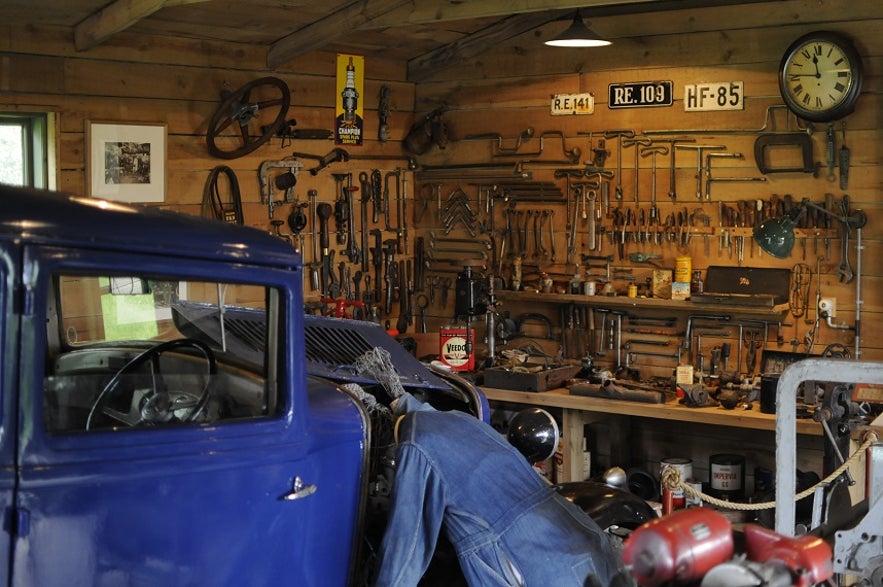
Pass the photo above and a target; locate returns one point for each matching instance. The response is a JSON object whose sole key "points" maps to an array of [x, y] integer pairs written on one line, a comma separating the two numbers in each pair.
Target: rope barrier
{"points": [[671, 480]]}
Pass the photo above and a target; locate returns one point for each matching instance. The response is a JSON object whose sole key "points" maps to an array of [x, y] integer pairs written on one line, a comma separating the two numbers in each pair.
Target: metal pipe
{"points": [[858, 292], [811, 369]]}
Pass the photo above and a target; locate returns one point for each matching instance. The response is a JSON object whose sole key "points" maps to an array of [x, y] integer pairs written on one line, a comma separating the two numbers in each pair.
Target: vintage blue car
{"points": [[161, 421]]}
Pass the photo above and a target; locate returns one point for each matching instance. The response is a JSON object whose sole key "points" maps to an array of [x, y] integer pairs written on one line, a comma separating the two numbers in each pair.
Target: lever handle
{"points": [[299, 490]]}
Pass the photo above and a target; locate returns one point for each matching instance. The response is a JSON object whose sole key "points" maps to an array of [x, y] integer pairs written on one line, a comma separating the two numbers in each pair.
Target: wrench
{"points": [[551, 236], [844, 270]]}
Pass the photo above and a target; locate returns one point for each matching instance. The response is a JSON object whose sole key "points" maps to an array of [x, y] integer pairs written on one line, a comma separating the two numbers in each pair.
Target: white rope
{"points": [[671, 480]]}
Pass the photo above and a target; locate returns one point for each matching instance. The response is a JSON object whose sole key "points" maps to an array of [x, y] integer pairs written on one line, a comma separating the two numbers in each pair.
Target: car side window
{"points": [[139, 351]]}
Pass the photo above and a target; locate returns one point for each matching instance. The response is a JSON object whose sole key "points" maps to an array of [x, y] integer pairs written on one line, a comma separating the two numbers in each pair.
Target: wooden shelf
{"points": [[560, 398], [578, 411], [627, 303]]}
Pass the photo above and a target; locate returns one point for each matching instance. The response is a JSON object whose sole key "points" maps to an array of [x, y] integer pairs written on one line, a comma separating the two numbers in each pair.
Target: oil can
{"points": [[453, 348]]}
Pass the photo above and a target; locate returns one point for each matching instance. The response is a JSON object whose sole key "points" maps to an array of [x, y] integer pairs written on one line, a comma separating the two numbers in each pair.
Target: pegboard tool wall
{"points": [[509, 92]]}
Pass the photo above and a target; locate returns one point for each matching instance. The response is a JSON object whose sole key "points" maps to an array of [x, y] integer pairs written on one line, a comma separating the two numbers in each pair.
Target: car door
{"points": [[8, 369], [255, 501]]}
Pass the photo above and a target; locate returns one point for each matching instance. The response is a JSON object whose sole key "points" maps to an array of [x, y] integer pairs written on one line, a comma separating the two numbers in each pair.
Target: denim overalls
{"points": [[508, 526]]}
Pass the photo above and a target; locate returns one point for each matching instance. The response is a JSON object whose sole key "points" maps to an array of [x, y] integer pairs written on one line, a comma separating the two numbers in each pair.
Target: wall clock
{"points": [[820, 76]]}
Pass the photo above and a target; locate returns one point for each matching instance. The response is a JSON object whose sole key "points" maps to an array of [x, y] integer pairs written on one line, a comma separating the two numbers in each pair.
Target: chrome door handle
{"points": [[299, 489]]}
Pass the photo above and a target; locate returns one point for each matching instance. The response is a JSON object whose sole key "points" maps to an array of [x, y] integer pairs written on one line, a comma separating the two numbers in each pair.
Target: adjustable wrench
{"points": [[844, 270], [377, 262], [367, 195], [324, 211], [341, 208], [391, 277], [315, 263], [332, 290]]}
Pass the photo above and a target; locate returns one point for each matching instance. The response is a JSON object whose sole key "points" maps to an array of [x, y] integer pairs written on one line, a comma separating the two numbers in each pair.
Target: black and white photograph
{"points": [[127, 162]]}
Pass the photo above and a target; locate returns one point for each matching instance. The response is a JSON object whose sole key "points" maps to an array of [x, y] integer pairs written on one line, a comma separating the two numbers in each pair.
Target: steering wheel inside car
{"points": [[159, 403]]}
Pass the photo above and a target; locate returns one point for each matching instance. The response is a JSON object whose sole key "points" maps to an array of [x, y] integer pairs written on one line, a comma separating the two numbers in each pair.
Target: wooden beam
{"points": [[353, 16], [428, 13], [525, 19], [477, 43], [116, 17]]}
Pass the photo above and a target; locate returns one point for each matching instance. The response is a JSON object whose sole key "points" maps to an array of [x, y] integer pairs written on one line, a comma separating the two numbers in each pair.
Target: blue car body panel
{"points": [[188, 505]]}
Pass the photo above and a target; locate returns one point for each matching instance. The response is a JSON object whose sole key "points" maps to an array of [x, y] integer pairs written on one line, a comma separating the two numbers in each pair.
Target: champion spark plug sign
{"points": [[349, 123], [640, 95]]}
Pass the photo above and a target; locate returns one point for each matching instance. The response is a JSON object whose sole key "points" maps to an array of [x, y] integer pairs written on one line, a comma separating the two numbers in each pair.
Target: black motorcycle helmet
{"points": [[534, 432]]}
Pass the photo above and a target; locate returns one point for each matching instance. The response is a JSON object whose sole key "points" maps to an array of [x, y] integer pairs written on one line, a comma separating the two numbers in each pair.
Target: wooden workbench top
{"points": [[737, 418]]}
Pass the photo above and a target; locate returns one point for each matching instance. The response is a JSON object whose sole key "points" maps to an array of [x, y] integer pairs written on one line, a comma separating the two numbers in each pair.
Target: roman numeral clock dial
{"points": [[820, 76]]}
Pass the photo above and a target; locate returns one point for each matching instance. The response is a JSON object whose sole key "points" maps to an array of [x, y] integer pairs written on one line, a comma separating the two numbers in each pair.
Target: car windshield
{"points": [[146, 350]]}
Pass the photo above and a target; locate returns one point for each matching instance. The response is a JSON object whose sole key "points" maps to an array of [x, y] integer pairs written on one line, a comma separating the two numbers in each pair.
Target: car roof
{"points": [[37, 216]]}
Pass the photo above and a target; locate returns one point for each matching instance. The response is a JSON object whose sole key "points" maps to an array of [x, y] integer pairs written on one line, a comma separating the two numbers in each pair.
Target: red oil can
{"points": [[452, 348]]}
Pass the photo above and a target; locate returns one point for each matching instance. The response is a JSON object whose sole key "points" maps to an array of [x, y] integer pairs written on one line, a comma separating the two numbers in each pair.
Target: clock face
{"points": [[820, 77]]}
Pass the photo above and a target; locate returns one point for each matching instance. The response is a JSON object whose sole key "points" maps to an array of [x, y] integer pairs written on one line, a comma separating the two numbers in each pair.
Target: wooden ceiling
{"points": [[423, 33]]}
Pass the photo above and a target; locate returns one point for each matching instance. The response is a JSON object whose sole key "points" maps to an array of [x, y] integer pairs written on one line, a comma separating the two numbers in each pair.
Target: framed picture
{"points": [[126, 162]]}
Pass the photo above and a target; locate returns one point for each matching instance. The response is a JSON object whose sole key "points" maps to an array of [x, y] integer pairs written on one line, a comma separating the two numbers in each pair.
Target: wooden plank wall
{"points": [[508, 90], [135, 78]]}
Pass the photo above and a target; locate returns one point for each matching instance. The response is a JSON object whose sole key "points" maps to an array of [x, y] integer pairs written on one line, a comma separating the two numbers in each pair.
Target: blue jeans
{"points": [[507, 525]]}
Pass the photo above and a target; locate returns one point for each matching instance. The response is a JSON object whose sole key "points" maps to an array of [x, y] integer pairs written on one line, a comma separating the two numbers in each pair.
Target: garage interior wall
{"points": [[136, 78]]}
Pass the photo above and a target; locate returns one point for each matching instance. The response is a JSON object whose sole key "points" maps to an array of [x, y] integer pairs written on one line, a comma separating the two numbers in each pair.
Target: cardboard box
{"points": [[661, 284], [680, 290]]}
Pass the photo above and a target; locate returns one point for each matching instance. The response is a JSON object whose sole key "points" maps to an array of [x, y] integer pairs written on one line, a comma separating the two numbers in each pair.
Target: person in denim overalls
{"points": [[507, 525]]}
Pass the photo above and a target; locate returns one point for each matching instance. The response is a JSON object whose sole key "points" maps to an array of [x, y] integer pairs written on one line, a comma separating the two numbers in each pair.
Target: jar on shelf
{"points": [[696, 285], [545, 283]]}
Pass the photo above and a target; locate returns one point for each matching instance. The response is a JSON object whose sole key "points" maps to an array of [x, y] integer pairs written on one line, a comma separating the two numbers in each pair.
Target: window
{"points": [[151, 351], [24, 149]]}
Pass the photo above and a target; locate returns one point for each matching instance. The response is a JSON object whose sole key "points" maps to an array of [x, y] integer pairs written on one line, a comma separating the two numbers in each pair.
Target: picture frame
{"points": [[126, 161]]}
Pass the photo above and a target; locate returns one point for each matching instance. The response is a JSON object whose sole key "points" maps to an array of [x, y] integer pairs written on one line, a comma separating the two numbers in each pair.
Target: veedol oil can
{"points": [[452, 348]]}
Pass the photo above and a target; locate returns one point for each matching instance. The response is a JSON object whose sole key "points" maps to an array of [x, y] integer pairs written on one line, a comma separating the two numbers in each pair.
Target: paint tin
{"points": [[768, 386], [683, 269], [590, 288], [726, 474], [685, 468], [452, 348]]}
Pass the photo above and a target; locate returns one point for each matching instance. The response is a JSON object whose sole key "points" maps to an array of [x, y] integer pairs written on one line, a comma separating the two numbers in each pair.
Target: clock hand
{"points": [[815, 61]]}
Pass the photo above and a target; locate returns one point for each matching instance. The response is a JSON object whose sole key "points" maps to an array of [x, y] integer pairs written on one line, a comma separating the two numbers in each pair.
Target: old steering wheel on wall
{"points": [[159, 403], [271, 99]]}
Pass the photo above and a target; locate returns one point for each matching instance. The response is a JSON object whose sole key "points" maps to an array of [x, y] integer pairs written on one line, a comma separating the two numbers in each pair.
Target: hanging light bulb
{"points": [[577, 35]]}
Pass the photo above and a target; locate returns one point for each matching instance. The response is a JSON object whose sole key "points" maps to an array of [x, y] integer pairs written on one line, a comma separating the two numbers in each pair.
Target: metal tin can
{"points": [[590, 288], [685, 468], [726, 474], [452, 348], [683, 269]]}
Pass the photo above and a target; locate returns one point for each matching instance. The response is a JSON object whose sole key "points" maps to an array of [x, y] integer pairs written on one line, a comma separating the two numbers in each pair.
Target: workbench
{"points": [[577, 411]]}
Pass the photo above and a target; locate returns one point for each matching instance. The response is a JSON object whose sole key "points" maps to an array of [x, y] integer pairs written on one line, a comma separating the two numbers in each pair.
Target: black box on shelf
{"points": [[529, 381]]}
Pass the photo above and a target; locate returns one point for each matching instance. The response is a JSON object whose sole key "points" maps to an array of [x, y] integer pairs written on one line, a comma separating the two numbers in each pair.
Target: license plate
{"points": [[714, 96], [640, 94], [568, 104]]}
